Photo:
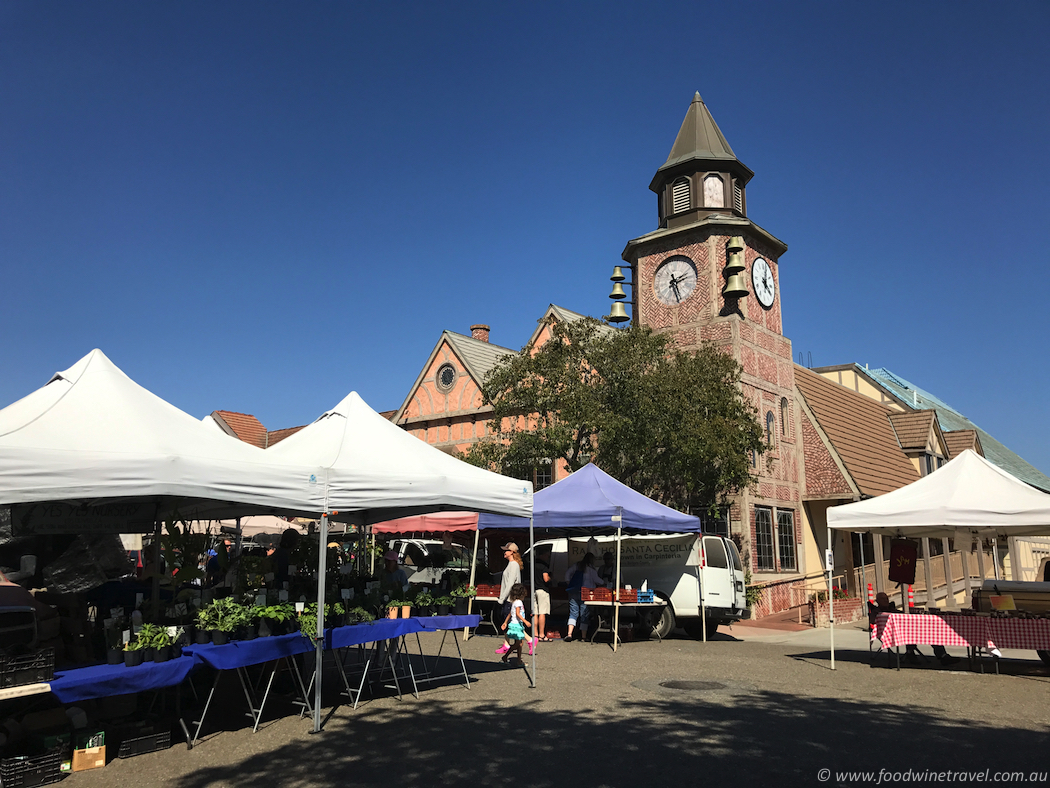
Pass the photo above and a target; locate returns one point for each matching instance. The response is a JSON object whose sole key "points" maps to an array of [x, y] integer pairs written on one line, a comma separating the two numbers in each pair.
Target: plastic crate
{"points": [[25, 771], [27, 668], [487, 590], [628, 597], [596, 594], [646, 596], [143, 739]]}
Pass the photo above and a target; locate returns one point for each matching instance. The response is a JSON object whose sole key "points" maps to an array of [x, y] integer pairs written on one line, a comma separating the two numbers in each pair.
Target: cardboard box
{"points": [[90, 758]]}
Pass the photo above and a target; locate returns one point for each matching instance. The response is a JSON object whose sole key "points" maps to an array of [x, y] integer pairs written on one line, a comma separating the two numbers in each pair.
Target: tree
{"points": [[671, 424]]}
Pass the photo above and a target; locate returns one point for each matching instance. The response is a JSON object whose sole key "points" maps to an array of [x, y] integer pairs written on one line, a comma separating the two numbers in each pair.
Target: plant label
{"points": [[300, 607], [125, 636], [268, 577], [260, 600], [345, 592], [282, 595], [172, 632]]}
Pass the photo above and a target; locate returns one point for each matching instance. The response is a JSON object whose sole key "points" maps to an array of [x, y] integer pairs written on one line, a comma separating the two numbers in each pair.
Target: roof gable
{"points": [[959, 441], [860, 432], [915, 430], [243, 426]]}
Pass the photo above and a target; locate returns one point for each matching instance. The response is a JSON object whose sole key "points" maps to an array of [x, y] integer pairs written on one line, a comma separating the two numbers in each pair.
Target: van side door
{"points": [[718, 576]]}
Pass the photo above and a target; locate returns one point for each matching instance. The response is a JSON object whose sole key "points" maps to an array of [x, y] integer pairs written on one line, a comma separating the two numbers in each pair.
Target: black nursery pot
{"points": [[220, 638], [461, 607], [247, 632], [114, 656], [133, 658], [161, 654], [203, 636], [442, 610]]}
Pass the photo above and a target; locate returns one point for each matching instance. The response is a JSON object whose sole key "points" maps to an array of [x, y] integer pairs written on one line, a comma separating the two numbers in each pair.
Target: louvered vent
{"points": [[680, 196], [738, 198]]}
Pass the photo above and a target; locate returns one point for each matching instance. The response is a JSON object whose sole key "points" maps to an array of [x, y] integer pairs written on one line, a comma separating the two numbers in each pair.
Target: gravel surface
{"points": [[761, 706]]}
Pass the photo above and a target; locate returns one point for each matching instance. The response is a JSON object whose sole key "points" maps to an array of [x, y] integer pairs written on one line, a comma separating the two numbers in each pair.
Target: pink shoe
{"points": [[503, 649], [532, 645]]}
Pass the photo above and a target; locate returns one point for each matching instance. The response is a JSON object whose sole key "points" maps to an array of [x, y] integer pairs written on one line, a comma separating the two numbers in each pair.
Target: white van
{"points": [[425, 561], [671, 566]]}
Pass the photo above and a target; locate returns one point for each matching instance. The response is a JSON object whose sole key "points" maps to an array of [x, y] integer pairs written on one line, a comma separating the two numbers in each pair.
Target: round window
{"points": [[446, 376]]}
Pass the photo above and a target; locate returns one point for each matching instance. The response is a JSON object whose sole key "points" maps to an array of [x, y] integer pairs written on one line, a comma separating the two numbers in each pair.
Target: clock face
{"points": [[675, 280], [762, 279]]}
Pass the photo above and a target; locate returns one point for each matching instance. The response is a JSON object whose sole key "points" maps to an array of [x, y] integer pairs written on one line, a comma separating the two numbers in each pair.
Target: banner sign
{"points": [[903, 555], [658, 551], [110, 517]]}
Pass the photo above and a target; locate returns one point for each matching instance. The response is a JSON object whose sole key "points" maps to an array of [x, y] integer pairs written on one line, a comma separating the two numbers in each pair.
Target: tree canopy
{"points": [[673, 425]]}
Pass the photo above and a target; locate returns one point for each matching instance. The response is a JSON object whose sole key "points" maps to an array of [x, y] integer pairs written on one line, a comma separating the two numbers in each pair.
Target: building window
{"points": [[446, 377], [738, 197], [717, 523], [680, 196], [770, 431], [543, 475], [714, 192], [786, 540], [783, 417], [764, 561], [930, 463]]}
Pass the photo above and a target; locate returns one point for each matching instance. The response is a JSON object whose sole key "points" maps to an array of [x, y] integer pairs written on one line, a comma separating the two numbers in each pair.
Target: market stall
{"points": [[591, 502], [967, 499]]}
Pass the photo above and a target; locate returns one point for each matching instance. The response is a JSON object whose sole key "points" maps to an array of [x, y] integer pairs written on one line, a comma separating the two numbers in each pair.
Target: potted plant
{"points": [[392, 607], [462, 595], [133, 652], [115, 642], [424, 602], [275, 619], [245, 627], [358, 615], [156, 637], [444, 604], [226, 614], [206, 623]]}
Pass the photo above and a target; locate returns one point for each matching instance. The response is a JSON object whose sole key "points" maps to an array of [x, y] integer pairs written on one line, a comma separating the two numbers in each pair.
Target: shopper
{"points": [[542, 572], [515, 622], [511, 576], [578, 576]]}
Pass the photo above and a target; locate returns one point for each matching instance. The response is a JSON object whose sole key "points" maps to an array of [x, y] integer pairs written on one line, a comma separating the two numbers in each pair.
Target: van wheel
{"points": [[663, 626], [1045, 656]]}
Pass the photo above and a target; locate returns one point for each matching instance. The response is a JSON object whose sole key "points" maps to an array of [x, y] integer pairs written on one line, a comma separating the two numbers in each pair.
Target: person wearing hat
{"points": [[511, 576], [393, 577]]}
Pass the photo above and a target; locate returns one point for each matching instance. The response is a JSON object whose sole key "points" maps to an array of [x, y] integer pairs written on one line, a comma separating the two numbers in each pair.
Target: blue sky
{"points": [[262, 206]]}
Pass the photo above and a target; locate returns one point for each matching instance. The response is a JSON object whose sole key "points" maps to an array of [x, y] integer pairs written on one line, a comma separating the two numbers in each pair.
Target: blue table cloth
{"points": [[386, 628], [242, 653], [434, 623], [100, 681]]}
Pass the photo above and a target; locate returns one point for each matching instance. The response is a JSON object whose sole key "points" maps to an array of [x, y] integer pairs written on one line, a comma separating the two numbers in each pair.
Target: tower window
{"points": [[770, 431], [764, 561], [714, 192], [783, 416], [680, 196], [738, 197], [446, 377]]}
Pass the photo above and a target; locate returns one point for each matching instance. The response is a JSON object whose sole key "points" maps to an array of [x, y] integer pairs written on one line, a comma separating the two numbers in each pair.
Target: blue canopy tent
{"points": [[593, 502]]}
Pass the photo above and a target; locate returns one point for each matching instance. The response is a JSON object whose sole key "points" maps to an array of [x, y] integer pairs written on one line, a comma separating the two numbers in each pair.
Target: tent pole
{"points": [[473, 566], [322, 560], [701, 559], [155, 584], [532, 585], [616, 590], [949, 576], [980, 560], [863, 570], [995, 557], [831, 599], [928, 569]]}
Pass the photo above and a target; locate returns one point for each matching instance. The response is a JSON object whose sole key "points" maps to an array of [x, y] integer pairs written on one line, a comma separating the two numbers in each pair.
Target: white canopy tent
{"points": [[102, 452], [968, 497], [374, 471]]}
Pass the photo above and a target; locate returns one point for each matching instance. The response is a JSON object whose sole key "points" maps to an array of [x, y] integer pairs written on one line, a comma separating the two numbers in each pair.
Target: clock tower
{"points": [[711, 275]]}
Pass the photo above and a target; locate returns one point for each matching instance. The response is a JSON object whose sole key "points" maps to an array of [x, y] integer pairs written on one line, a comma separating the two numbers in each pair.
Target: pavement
{"points": [[752, 706]]}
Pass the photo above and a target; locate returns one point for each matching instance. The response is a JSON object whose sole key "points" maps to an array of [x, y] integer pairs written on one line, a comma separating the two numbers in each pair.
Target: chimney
{"points": [[480, 332]]}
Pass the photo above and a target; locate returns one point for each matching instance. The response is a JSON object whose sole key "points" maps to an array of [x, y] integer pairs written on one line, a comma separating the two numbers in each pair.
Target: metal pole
{"points": [[701, 559], [616, 590], [322, 560], [532, 585], [155, 586], [863, 570], [473, 566], [831, 597]]}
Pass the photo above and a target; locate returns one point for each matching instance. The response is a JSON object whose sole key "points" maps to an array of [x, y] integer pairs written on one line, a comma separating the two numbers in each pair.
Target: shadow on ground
{"points": [[758, 737]]}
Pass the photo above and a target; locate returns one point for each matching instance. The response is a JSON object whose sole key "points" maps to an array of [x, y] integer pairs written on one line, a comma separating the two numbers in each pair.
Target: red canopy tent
{"points": [[435, 522]]}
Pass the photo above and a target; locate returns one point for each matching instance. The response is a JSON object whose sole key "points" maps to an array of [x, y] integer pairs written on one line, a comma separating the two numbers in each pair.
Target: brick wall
{"points": [[823, 476]]}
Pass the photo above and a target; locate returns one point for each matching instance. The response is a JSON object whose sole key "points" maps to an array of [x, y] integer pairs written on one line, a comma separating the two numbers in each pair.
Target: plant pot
{"points": [[442, 610], [391, 612], [133, 658], [203, 636], [161, 654], [114, 656], [461, 607], [406, 611], [147, 654], [246, 632], [264, 628], [220, 638], [176, 650]]}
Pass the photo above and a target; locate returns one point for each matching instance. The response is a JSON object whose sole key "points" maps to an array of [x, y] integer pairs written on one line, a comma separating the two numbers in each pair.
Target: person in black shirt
{"points": [[542, 574]]}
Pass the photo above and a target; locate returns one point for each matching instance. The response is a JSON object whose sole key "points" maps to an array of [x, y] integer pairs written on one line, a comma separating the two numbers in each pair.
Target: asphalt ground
{"points": [[758, 707]]}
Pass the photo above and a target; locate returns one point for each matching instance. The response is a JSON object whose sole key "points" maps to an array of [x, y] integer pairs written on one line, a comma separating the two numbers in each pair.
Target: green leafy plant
{"points": [[424, 599], [464, 592], [154, 636], [280, 613], [223, 615], [359, 615], [308, 618], [752, 593], [444, 600]]}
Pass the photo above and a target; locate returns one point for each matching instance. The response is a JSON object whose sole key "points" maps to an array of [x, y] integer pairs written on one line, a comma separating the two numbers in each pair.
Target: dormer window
{"points": [[714, 192], [680, 196]]}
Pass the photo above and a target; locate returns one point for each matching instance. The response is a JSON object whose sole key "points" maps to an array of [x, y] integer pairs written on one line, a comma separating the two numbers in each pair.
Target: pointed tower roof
{"points": [[699, 137]]}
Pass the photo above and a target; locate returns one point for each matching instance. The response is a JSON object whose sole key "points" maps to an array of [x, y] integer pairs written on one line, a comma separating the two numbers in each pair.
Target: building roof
{"points": [[860, 432], [698, 138], [479, 357], [913, 429], [276, 436], [243, 425], [951, 420], [961, 440]]}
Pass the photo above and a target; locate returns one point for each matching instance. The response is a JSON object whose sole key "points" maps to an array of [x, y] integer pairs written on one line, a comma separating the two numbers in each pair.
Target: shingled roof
{"points": [[913, 429], [860, 432], [244, 426], [952, 421], [961, 440]]}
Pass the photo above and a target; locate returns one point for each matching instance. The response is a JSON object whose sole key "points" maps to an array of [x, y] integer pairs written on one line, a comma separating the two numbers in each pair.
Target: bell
{"points": [[618, 314], [736, 244], [735, 287], [617, 275], [735, 264], [617, 291]]}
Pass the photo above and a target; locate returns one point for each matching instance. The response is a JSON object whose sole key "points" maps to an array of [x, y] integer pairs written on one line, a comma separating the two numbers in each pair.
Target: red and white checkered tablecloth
{"points": [[1031, 633], [901, 629]]}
